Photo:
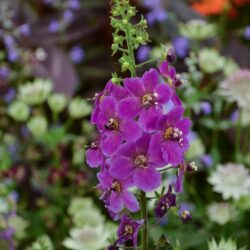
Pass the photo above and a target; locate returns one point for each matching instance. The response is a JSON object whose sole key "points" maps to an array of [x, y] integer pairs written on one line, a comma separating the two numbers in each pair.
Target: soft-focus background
{"points": [[54, 56]]}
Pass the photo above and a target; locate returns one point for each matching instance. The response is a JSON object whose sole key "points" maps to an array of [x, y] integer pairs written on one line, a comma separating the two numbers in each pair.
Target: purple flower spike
{"points": [[172, 136], [166, 201], [128, 230], [140, 161], [115, 129], [147, 99], [94, 156], [116, 196]]}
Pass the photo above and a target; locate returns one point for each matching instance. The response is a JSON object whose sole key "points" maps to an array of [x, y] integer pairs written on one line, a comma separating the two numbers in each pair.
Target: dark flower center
{"points": [[116, 186], [174, 134], [141, 161], [149, 99], [112, 124], [128, 230]]}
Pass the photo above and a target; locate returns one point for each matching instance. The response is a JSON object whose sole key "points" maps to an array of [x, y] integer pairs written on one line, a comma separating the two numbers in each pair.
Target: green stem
{"points": [[130, 52], [145, 218], [238, 137]]}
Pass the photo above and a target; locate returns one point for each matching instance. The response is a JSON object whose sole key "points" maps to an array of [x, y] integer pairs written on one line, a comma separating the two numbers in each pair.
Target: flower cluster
{"points": [[139, 135]]}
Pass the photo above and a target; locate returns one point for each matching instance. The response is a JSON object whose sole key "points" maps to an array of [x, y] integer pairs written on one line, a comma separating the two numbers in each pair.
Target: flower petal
{"points": [[130, 130], [150, 79], [172, 152], [164, 93], [129, 108], [130, 201], [108, 106], [147, 179], [116, 202], [94, 158], [110, 142], [184, 125], [134, 86], [121, 167]]}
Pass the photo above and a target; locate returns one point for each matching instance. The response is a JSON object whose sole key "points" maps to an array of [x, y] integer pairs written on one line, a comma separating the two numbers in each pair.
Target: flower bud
{"points": [[79, 108], [19, 111], [57, 102], [38, 126], [171, 57]]}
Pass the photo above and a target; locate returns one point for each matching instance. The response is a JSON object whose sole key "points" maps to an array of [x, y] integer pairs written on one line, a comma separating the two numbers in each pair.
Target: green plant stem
{"points": [[238, 137], [144, 235], [130, 52]]}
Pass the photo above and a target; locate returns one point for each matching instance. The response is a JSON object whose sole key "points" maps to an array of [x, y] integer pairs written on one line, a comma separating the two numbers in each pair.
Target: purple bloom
{"points": [[116, 196], [25, 29], [77, 54], [114, 128], [207, 160], [234, 116], [128, 230], [9, 41], [12, 55], [140, 161], [174, 80], [68, 16], [172, 136], [143, 53], [181, 45], [53, 26], [165, 202], [206, 107], [74, 4], [10, 95], [247, 33], [94, 156], [147, 99], [185, 216], [171, 57], [4, 72]]}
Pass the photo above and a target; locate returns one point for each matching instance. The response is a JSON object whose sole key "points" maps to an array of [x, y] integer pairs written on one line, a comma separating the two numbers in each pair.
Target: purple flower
{"points": [[174, 80], [10, 95], [207, 160], [234, 116], [181, 45], [185, 216], [116, 196], [53, 26], [147, 99], [68, 16], [77, 54], [74, 4], [247, 33], [140, 161], [24, 29], [128, 230], [114, 128], [206, 107], [172, 136], [12, 54], [171, 57], [110, 89], [8, 41], [94, 156], [165, 202], [4, 72], [143, 53]]}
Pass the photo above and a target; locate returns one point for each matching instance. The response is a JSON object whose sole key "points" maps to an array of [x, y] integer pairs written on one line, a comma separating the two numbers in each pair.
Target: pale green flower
{"points": [[223, 245], [34, 93], [18, 111], [197, 29], [230, 67], [210, 61], [38, 126], [236, 88], [221, 213], [79, 108], [4, 206], [42, 243], [88, 237], [57, 102], [19, 224], [231, 180], [196, 149]]}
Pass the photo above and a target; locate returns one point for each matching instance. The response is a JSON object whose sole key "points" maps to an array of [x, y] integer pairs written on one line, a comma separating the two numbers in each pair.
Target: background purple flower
{"points": [[25, 29], [143, 53], [206, 107], [53, 26], [68, 16], [247, 33], [12, 54], [10, 95], [182, 46], [74, 4], [77, 54], [207, 160]]}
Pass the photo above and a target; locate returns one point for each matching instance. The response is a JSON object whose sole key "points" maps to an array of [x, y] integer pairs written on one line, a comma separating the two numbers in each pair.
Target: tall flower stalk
{"points": [[137, 137]]}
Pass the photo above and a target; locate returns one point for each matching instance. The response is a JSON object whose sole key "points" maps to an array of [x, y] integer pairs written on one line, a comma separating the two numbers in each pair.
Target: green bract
{"points": [[197, 30], [18, 111], [38, 126], [57, 102], [79, 108], [34, 93]]}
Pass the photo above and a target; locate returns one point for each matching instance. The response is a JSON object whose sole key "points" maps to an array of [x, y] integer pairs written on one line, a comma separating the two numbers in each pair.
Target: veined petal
{"points": [[116, 202], [130, 201], [150, 79], [108, 106], [129, 107], [94, 158], [164, 93], [134, 86], [111, 142], [130, 130]]}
